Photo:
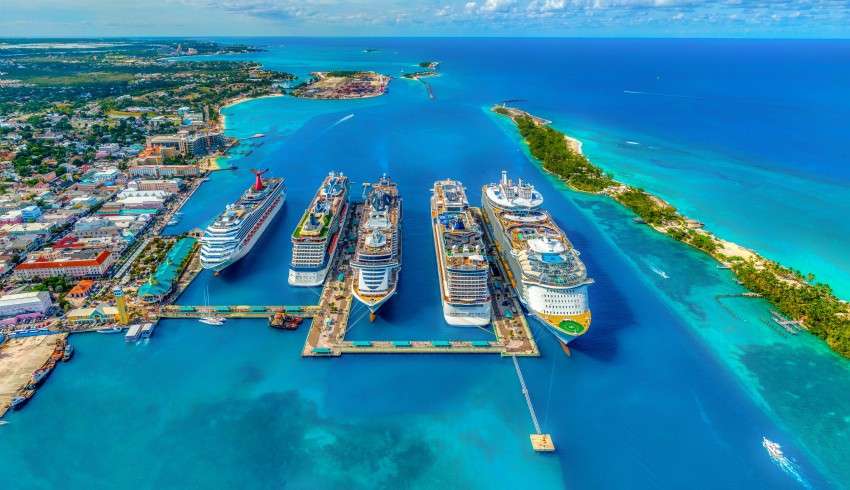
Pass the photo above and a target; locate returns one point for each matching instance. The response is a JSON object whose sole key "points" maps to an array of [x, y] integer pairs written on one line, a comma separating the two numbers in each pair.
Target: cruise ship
{"points": [[316, 238], [461, 258], [377, 256], [544, 268], [236, 230]]}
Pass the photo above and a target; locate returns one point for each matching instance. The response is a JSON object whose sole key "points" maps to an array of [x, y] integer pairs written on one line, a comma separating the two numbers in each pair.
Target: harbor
{"points": [[327, 335]]}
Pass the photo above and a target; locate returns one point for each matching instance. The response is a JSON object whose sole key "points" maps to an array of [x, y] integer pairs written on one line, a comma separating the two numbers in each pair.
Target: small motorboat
{"points": [[212, 320]]}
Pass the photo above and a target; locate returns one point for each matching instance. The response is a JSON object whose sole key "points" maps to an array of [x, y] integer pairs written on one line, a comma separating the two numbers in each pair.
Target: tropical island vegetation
{"points": [[799, 297], [430, 70]]}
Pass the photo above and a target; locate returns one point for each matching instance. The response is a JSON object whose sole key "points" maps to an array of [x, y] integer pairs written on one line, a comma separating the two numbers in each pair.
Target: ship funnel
{"points": [[258, 181]]}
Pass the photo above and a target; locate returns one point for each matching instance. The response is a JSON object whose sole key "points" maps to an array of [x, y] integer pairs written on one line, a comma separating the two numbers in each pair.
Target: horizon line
{"points": [[430, 36]]}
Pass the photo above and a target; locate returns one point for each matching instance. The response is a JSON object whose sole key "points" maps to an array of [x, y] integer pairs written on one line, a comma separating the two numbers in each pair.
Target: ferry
{"points": [[110, 330], [147, 330], [543, 266], [377, 257], [316, 238], [67, 352], [236, 230], [461, 257], [133, 333]]}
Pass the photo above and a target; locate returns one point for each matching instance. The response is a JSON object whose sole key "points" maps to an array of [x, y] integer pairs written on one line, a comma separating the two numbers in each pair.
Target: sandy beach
{"points": [[18, 359], [222, 120]]}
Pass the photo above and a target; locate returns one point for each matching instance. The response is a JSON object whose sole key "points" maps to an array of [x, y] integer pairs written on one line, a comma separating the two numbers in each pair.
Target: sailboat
{"points": [[210, 320]]}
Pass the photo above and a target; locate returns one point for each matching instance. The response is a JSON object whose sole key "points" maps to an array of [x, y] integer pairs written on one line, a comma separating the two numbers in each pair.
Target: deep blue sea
{"points": [[674, 386]]}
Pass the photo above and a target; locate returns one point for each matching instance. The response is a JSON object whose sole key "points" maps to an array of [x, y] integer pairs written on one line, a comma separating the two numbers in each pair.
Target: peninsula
{"points": [[809, 304], [343, 85]]}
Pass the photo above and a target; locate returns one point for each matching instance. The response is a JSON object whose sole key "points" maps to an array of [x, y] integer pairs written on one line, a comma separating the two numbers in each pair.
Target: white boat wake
{"points": [[342, 120], [659, 272], [774, 450], [629, 142], [657, 94]]}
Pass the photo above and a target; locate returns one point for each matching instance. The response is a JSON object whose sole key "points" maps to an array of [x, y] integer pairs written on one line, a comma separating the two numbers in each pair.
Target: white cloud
{"points": [[497, 5]]}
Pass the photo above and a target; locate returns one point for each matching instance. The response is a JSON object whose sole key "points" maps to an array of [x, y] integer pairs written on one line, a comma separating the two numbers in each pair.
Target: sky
{"points": [[569, 18]]}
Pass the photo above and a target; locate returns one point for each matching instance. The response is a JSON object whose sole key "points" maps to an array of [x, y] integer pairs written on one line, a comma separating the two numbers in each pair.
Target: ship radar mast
{"points": [[258, 181]]}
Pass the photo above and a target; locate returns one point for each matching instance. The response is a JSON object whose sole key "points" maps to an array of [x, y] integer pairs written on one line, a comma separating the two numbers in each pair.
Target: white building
{"points": [[21, 303]]}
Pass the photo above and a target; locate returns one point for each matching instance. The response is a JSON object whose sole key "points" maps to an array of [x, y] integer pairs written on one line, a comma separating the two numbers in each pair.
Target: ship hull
{"points": [[244, 249], [563, 337], [309, 278], [373, 304], [467, 316]]}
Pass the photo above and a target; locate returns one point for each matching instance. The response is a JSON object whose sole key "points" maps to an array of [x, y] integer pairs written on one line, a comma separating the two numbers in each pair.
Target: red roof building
{"points": [[81, 263]]}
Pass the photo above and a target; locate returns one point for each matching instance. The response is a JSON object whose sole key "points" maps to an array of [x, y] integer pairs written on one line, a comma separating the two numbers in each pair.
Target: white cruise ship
{"points": [[235, 231], [544, 268], [316, 238], [377, 257], [461, 258]]}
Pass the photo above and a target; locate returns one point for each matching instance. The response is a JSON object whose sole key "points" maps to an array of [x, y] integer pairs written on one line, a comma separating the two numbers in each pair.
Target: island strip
{"points": [[802, 303]]}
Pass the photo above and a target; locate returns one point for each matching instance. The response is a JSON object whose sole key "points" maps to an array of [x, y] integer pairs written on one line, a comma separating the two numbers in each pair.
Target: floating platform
{"points": [[542, 443]]}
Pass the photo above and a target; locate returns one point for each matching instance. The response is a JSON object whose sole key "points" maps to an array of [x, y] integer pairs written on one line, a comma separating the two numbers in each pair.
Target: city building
{"points": [[21, 229], [178, 142], [164, 171], [103, 313], [95, 226], [24, 303], [106, 176], [204, 144], [77, 263], [169, 185], [81, 290], [30, 214]]}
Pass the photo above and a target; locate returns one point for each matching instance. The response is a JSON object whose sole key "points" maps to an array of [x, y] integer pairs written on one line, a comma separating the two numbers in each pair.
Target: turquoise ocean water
{"points": [[677, 381]]}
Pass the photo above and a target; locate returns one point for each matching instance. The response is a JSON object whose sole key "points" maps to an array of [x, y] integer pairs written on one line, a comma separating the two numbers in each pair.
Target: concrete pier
{"points": [[326, 338]]}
